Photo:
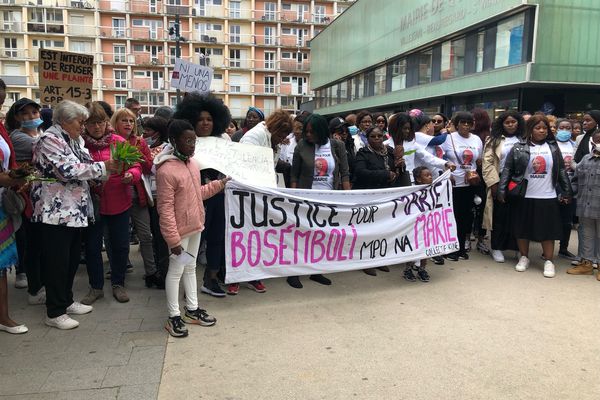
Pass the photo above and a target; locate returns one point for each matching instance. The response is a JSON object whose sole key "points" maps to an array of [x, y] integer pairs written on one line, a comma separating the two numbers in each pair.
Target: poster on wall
{"points": [[273, 232], [65, 76]]}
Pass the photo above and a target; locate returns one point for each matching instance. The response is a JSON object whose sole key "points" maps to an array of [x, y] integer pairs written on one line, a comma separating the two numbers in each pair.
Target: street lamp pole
{"points": [[177, 49]]}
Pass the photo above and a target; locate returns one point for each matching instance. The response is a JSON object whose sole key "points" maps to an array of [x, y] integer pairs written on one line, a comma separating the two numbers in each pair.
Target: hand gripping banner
{"points": [[286, 232]]}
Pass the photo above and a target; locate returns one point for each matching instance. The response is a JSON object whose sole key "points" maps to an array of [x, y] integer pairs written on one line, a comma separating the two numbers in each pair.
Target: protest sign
{"points": [[65, 76], [252, 165], [190, 77], [286, 232]]}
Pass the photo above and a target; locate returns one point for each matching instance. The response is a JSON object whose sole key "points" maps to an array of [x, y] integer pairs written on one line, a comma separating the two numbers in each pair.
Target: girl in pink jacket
{"points": [[180, 196]]}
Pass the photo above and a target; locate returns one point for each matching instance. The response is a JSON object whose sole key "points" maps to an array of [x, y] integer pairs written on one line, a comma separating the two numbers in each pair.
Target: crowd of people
{"points": [[66, 199]]}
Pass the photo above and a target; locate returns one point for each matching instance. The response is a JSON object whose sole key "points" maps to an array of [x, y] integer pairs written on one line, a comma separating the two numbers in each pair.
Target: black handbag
{"points": [[517, 190]]}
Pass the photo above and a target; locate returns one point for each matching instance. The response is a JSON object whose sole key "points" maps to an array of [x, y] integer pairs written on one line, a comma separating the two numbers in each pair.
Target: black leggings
{"points": [[462, 198], [214, 234]]}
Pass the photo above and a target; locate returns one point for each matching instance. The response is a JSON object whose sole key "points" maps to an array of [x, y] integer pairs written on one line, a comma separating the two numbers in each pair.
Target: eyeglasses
{"points": [[437, 121], [95, 122], [465, 122]]}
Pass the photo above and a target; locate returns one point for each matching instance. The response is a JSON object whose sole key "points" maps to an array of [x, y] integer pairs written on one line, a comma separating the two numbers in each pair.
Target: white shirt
{"points": [[464, 152], [539, 173], [423, 139], [324, 166], [507, 145], [416, 155], [567, 150], [286, 151]]}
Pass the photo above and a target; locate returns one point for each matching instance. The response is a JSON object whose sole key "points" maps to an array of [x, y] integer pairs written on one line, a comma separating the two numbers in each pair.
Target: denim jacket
{"points": [[67, 201]]}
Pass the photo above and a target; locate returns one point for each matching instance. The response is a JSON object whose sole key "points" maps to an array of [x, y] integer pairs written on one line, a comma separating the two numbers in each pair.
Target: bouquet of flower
{"points": [[125, 153]]}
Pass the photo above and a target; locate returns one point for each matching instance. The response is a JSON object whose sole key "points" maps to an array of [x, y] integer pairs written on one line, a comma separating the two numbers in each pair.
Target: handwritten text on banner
{"points": [[274, 233], [190, 77], [65, 76]]}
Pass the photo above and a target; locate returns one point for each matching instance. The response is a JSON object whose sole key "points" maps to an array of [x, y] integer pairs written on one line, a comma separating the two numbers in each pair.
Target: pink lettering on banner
{"points": [[236, 244], [256, 235], [317, 242], [282, 246], [433, 228], [270, 246]]}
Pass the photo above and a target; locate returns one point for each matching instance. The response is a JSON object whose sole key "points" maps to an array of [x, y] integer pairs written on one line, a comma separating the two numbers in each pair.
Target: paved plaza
{"points": [[478, 330]]}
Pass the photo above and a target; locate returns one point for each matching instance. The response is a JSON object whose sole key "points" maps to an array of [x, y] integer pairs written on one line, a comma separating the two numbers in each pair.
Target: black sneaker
{"points": [[213, 289], [294, 282], [453, 256], [198, 317], [463, 256], [176, 327], [438, 260], [423, 275], [409, 275], [320, 279]]}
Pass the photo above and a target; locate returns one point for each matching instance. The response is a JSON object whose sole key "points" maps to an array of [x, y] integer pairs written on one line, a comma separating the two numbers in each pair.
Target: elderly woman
{"points": [[113, 202], [210, 117], [465, 150], [533, 169], [24, 121], [253, 117], [64, 206], [319, 163], [507, 130]]}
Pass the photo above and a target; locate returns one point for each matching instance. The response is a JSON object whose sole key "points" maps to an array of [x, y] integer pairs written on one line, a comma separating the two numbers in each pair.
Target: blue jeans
{"points": [[118, 228]]}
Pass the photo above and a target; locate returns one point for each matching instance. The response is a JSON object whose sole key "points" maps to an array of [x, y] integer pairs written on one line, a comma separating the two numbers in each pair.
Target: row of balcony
{"points": [[146, 33], [162, 60]]}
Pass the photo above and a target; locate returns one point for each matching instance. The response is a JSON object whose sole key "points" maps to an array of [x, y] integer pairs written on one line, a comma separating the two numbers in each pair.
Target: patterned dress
{"points": [[8, 245]]}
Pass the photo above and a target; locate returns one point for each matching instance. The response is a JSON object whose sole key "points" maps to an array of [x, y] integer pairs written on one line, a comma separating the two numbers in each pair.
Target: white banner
{"points": [[190, 77], [246, 163], [286, 232]]}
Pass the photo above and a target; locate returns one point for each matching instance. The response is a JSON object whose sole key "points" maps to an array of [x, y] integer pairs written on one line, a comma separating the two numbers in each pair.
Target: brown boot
{"points": [[583, 268]]}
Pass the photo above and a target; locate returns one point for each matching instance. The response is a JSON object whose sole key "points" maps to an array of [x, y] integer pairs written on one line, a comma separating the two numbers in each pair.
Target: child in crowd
{"points": [[180, 196], [422, 176]]}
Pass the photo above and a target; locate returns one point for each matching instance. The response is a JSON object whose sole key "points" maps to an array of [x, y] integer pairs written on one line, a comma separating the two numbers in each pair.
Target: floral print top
{"points": [[65, 202]]}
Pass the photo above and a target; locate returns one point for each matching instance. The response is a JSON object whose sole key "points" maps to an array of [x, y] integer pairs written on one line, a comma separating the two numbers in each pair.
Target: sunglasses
{"points": [[465, 122], [437, 121]]}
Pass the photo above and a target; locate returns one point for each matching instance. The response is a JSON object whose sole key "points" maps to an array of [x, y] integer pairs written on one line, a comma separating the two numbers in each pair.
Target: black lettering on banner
{"points": [[375, 248], [276, 207], [241, 194], [401, 243]]}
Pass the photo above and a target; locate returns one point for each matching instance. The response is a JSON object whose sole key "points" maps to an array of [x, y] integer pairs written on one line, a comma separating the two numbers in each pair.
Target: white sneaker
{"points": [[523, 264], [549, 269], [595, 265], [38, 299], [21, 281], [498, 256], [62, 322], [78, 309]]}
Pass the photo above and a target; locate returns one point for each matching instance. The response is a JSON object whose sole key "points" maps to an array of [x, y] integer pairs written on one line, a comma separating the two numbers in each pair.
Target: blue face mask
{"points": [[353, 130], [150, 141], [563, 136], [32, 123]]}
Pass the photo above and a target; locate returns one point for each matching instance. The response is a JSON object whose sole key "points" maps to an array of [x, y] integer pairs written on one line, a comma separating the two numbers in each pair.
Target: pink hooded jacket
{"points": [[180, 196]]}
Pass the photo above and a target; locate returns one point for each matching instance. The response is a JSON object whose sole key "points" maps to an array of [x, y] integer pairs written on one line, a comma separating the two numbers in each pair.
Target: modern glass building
{"points": [[451, 55]]}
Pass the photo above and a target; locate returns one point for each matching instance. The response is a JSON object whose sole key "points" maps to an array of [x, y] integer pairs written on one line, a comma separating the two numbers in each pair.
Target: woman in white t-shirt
{"points": [[465, 150], [536, 165], [567, 210], [507, 130]]}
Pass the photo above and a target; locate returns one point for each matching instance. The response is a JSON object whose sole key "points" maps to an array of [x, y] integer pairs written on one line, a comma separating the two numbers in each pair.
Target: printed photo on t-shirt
{"points": [[539, 165], [467, 158], [321, 167]]}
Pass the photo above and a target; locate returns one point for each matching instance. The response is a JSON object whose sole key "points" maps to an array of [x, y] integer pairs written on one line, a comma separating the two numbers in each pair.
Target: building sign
{"points": [[190, 77], [65, 76], [288, 232]]}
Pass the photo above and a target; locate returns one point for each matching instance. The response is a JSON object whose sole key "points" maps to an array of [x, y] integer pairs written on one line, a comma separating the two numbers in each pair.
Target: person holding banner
{"points": [[181, 209], [210, 117], [319, 163]]}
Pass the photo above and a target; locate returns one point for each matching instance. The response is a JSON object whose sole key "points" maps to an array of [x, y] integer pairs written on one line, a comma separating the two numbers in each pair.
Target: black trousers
{"points": [[567, 211], [28, 247], [214, 234], [462, 198], [161, 250], [502, 232], [60, 250]]}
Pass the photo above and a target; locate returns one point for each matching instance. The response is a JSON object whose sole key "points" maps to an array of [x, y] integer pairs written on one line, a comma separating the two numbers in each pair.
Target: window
{"points": [[319, 16], [398, 75], [235, 9], [235, 85], [120, 78], [137, 22], [286, 31], [380, 76], [234, 34], [234, 58], [269, 84], [359, 87], [10, 47], [269, 60], [13, 96], [509, 41], [54, 16], [286, 55], [47, 43], [80, 46], [285, 79], [218, 76], [118, 25], [286, 6], [424, 60], [270, 11], [77, 26], [453, 58], [479, 59], [139, 74], [138, 48], [269, 35], [119, 51], [217, 52], [120, 101]]}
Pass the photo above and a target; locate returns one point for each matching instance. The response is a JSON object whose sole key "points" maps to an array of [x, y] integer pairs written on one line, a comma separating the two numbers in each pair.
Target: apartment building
{"points": [[259, 49]]}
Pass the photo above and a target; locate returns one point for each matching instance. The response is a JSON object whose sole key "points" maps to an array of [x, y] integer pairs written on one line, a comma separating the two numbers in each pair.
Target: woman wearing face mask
{"points": [[537, 159], [253, 117], [567, 209], [23, 121], [507, 130]]}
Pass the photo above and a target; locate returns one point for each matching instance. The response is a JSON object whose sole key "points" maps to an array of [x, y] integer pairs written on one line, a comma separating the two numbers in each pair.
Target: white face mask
{"points": [[150, 141]]}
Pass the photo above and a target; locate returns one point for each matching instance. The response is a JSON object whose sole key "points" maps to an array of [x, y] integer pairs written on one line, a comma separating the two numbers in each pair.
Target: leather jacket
{"points": [[516, 164]]}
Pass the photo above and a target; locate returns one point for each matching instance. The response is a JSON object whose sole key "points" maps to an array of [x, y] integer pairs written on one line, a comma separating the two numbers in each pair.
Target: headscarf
{"points": [[258, 112]]}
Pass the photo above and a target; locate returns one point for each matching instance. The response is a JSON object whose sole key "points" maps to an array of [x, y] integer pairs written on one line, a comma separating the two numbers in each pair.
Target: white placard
{"points": [[190, 77]]}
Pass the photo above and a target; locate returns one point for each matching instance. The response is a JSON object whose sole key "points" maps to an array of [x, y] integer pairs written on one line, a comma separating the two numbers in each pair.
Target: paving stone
{"points": [[79, 378], [93, 394], [148, 354], [139, 392], [149, 338], [22, 383], [137, 374], [119, 326]]}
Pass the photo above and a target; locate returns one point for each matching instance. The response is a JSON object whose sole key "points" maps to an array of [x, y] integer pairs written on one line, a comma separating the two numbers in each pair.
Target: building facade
{"points": [[258, 49], [451, 55]]}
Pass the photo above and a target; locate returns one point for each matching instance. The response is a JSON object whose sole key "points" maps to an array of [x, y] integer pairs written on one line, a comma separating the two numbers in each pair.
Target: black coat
{"points": [[370, 171]]}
